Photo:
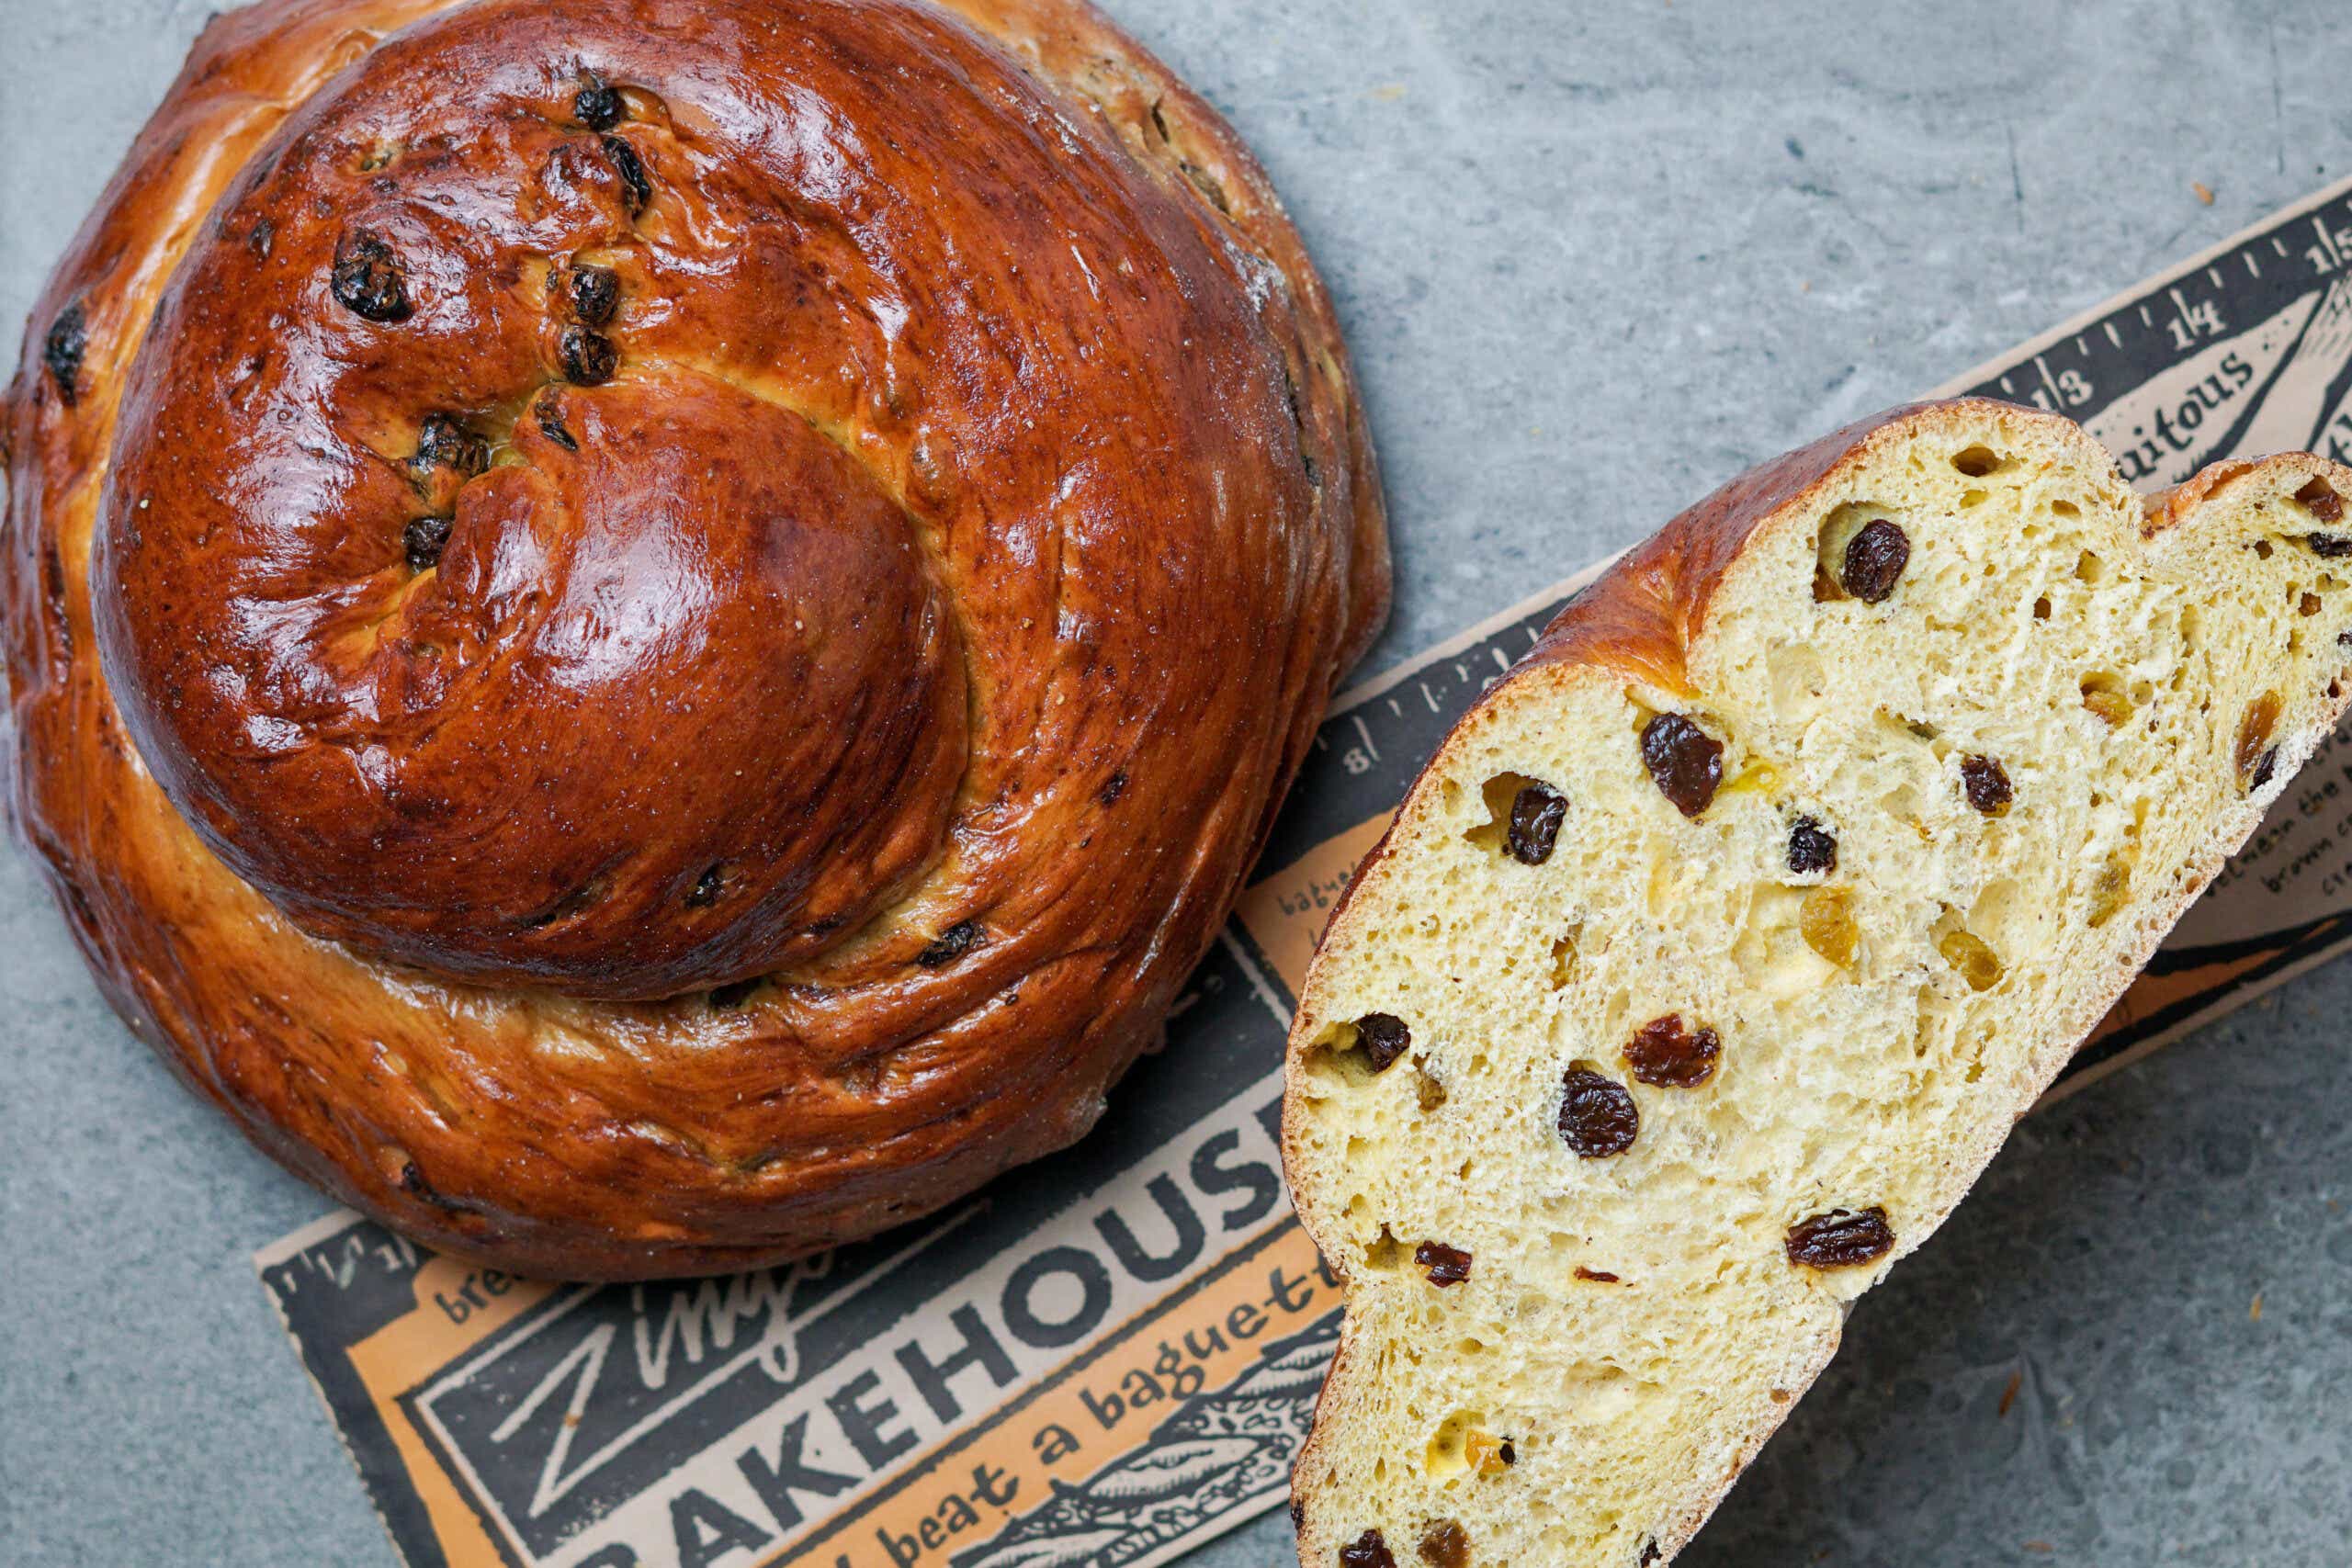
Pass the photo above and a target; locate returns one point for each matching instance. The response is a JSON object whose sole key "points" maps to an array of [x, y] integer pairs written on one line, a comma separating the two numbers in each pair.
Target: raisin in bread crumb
{"points": [[1864, 789]]}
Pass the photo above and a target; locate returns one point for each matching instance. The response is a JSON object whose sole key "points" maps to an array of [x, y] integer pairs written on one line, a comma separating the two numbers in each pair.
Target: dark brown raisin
{"points": [[1443, 1545], [2319, 499], [2329, 547], [443, 443], [1596, 1276], [1384, 1038], [589, 358], [1536, 812], [1598, 1116], [263, 236], [596, 105], [595, 293], [1811, 848], [725, 998], [2261, 721], [1507, 1453], [950, 945], [1687, 763], [1841, 1239], [1650, 1554], [1445, 1265], [423, 540], [2265, 768], [1367, 1551], [1116, 787], [1298, 1513], [1874, 561], [1987, 784], [707, 888], [62, 350], [548, 414], [367, 278], [1665, 1054], [631, 169]]}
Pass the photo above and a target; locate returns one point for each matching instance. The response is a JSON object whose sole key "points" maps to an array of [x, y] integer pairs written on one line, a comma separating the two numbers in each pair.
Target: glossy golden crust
{"points": [[720, 650]]}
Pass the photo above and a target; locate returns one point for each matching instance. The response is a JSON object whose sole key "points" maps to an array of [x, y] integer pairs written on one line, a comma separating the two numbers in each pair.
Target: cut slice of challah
{"points": [[1721, 944]]}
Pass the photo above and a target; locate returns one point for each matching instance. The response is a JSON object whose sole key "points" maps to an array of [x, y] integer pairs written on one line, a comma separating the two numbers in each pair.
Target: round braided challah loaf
{"points": [[649, 634]]}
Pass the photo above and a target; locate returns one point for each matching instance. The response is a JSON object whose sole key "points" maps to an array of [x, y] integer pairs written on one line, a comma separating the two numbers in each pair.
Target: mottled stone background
{"points": [[1594, 258]]}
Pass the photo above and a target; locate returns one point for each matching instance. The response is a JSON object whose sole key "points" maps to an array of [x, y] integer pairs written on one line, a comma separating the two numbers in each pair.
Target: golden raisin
{"points": [[2108, 892], [1485, 1452], [2104, 695], [2256, 754], [1976, 962], [1443, 1545], [1826, 921]]}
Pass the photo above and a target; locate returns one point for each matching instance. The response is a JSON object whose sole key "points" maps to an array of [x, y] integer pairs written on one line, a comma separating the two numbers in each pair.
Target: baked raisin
{"points": [[1826, 921], [2319, 499], [423, 540], [1874, 561], [725, 998], [1596, 1276], [1598, 1116], [1684, 761], [1507, 1453], [631, 169], [595, 293], [548, 414], [1987, 784], [1367, 1551], [1976, 963], [596, 105], [1445, 1265], [1650, 1554], [1665, 1054], [1445, 1546], [2329, 547], [1116, 787], [1384, 1038], [2256, 754], [1840, 1239], [1536, 812], [62, 348], [950, 945], [589, 358], [443, 443], [707, 888], [1811, 849], [367, 278]]}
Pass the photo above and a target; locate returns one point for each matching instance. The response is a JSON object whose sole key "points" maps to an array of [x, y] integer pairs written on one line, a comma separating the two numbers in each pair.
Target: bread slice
{"points": [[1720, 945]]}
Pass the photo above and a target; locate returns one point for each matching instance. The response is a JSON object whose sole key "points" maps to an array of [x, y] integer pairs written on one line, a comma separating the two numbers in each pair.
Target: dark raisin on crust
{"points": [[595, 293], [61, 349], [706, 887], [1840, 1239], [1811, 847], [422, 541], [1986, 783], [548, 414], [950, 945], [725, 998], [596, 105], [1367, 1551], [1383, 1037], [1445, 1265], [1874, 561], [1444, 1545], [2264, 769], [443, 443], [1685, 761], [589, 358], [1598, 1116], [1666, 1054], [1650, 1554], [367, 279], [1116, 787], [2319, 499], [262, 235], [631, 169], [1536, 812]]}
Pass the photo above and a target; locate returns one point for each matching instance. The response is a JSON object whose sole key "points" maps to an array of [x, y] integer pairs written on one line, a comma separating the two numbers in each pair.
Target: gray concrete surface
{"points": [[1593, 259]]}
